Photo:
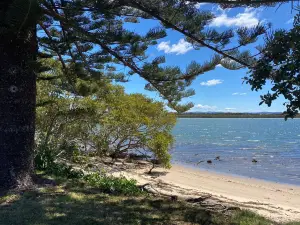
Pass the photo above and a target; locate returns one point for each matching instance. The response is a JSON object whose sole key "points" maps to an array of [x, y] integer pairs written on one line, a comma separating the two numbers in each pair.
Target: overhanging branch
{"points": [[155, 15]]}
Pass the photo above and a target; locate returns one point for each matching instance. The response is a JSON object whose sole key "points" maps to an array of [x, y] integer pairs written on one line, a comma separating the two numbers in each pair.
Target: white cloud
{"points": [[180, 48], [212, 82], [248, 18], [290, 21], [198, 5], [205, 107], [238, 93], [230, 109]]}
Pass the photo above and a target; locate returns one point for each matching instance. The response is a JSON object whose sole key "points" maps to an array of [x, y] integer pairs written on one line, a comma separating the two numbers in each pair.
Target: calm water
{"points": [[274, 143]]}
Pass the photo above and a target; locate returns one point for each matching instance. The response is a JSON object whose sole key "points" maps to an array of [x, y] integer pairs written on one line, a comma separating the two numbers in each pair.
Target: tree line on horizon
{"points": [[231, 115]]}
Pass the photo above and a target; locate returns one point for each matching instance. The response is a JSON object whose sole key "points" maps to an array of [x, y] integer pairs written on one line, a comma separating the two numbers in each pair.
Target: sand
{"points": [[279, 202]]}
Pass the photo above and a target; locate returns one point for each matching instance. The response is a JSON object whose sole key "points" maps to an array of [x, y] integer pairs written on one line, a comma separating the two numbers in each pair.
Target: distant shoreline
{"points": [[231, 115]]}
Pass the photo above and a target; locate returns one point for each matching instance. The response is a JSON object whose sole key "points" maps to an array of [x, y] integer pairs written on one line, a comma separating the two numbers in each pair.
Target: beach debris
{"points": [[218, 158], [174, 198], [201, 161], [254, 161], [200, 199], [209, 161]]}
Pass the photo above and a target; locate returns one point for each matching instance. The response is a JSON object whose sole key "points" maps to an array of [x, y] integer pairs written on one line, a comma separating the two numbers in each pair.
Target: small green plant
{"points": [[45, 161], [115, 185], [107, 184], [44, 157], [79, 158], [63, 170]]}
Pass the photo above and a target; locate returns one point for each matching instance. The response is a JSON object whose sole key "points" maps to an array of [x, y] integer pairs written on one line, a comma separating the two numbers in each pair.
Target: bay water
{"points": [[233, 144]]}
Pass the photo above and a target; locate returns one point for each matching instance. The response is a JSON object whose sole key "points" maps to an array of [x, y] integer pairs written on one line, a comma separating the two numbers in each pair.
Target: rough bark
{"points": [[17, 105]]}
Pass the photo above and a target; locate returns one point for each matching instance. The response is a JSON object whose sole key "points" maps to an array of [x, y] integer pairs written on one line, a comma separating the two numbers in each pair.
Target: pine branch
{"points": [[59, 56], [155, 15], [64, 32], [88, 35], [53, 46], [103, 30]]}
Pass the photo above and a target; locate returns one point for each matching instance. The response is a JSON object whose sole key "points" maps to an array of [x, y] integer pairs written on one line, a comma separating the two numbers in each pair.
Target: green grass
{"points": [[247, 218], [69, 204]]}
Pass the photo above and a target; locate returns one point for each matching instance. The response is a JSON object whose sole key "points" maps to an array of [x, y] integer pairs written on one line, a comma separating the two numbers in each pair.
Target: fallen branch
{"points": [[202, 200]]}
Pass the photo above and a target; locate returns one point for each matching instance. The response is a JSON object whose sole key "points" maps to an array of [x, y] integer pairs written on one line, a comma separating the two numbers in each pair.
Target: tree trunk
{"points": [[17, 105]]}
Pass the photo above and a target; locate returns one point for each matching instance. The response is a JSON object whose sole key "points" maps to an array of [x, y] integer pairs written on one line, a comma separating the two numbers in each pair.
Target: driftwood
{"points": [[214, 205], [200, 199]]}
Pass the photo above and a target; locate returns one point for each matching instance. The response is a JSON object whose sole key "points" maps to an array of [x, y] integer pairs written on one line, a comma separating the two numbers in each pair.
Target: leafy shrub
{"points": [[69, 148], [79, 158], [44, 157], [107, 184], [63, 170], [107, 122], [115, 185]]}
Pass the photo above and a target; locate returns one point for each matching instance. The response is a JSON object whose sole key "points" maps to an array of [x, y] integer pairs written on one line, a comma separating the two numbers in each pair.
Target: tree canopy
{"points": [[91, 38], [280, 64], [105, 121]]}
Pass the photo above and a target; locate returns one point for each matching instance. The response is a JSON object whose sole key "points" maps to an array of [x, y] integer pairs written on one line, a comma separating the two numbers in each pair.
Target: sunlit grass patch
{"points": [[55, 189], [9, 198], [55, 215], [76, 196], [245, 217]]}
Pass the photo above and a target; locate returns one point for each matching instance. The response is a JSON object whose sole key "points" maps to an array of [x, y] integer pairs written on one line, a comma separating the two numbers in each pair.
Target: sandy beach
{"points": [[279, 202]]}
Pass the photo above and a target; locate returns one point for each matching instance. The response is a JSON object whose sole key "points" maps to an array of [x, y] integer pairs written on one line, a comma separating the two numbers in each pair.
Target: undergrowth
{"points": [[44, 161]]}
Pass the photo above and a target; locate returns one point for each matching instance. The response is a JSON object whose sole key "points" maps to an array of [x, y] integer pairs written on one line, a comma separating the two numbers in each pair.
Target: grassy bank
{"points": [[71, 203]]}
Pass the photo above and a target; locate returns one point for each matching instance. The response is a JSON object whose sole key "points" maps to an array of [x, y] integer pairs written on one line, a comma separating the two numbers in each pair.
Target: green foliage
{"points": [[114, 185], [159, 145], [44, 157], [249, 218], [280, 64], [92, 40], [45, 160], [65, 171], [103, 120], [79, 158], [106, 121], [101, 181], [137, 123]]}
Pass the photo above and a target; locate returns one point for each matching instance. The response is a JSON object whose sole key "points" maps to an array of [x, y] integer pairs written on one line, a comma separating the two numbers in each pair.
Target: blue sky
{"points": [[220, 89]]}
